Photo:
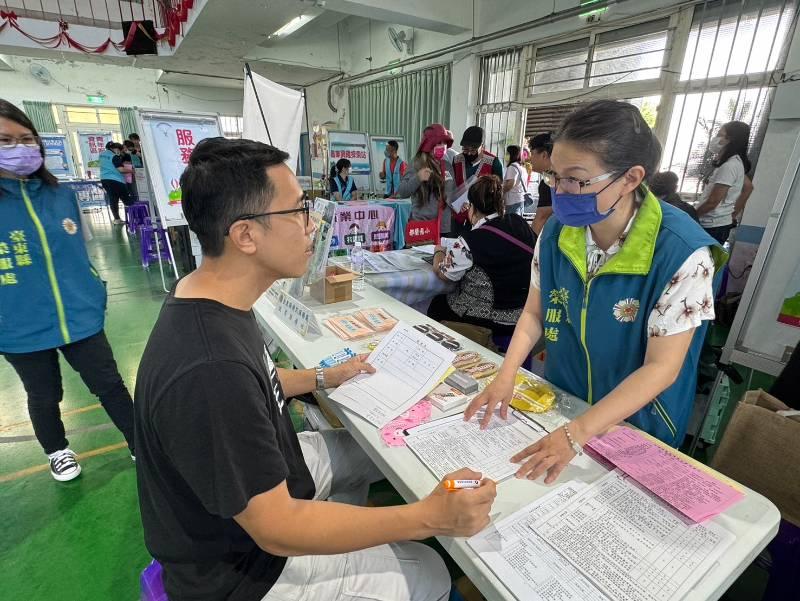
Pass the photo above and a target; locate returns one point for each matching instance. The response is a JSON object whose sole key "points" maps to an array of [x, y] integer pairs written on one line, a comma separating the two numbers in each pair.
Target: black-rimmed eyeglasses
{"points": [[305, 209]]}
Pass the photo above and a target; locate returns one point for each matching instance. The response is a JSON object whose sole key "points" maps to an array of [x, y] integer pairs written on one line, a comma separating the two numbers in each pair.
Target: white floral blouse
{"points": [[686, 302]]}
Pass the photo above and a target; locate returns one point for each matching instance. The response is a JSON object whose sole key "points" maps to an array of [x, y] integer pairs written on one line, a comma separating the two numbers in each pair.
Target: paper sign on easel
{"points": [[297, 315]]}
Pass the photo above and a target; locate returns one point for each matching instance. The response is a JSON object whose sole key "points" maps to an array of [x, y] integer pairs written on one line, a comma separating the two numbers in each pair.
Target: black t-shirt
{"points": [[212, 431], [545, 198]]}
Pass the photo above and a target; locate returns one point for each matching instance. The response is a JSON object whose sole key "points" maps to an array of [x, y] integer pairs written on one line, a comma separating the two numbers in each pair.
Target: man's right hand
{"points": [[461, 512], [498, 393], [424, 174]]}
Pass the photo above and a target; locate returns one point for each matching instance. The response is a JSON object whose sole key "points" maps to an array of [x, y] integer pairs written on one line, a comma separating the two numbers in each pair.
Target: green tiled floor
{"points": [[81, 539]]}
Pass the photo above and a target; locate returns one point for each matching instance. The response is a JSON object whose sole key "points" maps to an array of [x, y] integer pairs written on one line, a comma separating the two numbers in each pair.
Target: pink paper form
{"points": [[694, 493]]}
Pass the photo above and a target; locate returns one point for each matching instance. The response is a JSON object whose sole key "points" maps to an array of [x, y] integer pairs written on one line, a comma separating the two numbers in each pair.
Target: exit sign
{"points": [[99, 99]]}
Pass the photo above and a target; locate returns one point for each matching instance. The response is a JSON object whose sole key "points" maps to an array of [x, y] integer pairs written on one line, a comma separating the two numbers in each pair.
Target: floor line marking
{"points": [[46, 466], [63, 414]]}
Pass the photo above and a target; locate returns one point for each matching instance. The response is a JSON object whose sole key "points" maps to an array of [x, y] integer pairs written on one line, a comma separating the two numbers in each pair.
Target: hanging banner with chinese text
{"points": [[91, 145], [372, 224], [168, 140], [353, 146]]}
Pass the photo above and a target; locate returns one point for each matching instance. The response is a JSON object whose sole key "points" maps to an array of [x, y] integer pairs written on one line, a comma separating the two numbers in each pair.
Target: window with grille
{"points": [[499, 113], [231, 126], [634, 53]]}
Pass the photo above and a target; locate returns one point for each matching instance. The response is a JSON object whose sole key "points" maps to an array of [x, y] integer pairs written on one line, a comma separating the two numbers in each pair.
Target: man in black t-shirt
{"points": [[227, 490], [541, 148]]}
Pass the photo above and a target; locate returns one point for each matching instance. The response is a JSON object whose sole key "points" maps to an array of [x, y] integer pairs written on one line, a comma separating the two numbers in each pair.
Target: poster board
{"points": [[167, 142], [354, 146], [57, 157], [91, 144], [759, 338], [377, 145]]}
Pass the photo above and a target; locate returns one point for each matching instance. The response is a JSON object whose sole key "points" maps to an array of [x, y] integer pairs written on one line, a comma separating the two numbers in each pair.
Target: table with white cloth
{"points": [[753, 520]]}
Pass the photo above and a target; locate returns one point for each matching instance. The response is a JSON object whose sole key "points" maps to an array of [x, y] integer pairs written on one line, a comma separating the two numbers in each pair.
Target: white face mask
{"points": [[716, 145]]}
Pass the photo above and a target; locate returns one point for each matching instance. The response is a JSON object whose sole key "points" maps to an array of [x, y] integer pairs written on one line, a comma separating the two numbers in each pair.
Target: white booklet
{"points": [[408, 366]]}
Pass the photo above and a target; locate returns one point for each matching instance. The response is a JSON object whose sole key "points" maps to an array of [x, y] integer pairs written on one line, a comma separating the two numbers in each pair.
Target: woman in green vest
{"points": [[622, 290]]}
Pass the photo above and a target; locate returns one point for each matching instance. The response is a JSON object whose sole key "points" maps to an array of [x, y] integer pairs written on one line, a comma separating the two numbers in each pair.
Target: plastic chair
{"points": [[147, 245], [135, 215], [152, 584]]}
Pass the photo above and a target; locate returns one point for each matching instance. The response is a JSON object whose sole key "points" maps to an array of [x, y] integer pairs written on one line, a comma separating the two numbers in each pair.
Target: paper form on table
{"points": [[408, 366], [695, 493]]}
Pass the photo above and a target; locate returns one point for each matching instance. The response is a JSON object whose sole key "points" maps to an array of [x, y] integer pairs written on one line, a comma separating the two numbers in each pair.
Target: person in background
{"points": [[491, 264], [541, 149], [473, 162], [426, 181], [343, 186], [664, 185], [235, 505], [451, 153], [112, 178], [622, 289], [515, 185], [51, 298], [134, 137], [728, 181], [131, 150], [394, 168]]}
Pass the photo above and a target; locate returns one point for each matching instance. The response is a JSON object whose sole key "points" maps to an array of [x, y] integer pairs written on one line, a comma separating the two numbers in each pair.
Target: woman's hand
{"points": [[499, 392], [336, 376], [424, 174], [551, 454]]}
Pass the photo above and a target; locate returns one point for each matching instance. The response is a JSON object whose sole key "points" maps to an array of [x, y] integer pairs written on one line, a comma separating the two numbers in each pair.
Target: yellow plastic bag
{"points": [[532, 395]]}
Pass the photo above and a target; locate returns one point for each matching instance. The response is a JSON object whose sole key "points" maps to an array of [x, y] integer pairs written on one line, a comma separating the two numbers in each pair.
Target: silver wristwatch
{"points": [[320, 373]]}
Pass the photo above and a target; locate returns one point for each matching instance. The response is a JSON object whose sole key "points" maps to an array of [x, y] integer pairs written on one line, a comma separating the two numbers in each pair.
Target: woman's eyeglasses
{"points": [[305, 209], [11, 142], [572, 185]]}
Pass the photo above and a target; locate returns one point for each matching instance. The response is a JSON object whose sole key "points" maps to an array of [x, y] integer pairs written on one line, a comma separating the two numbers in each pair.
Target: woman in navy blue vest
{"points": [[621, 290], [51, 298], [490, 264], [343, 186]]}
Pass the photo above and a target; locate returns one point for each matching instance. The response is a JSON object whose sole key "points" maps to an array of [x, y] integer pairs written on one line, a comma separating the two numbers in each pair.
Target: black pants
{"points": [[721, 233], [440, 311], [116, 191], [40, 373]]}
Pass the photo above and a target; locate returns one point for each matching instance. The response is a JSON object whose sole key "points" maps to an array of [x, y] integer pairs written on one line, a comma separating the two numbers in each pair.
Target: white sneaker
{"points": [[64, 466]]}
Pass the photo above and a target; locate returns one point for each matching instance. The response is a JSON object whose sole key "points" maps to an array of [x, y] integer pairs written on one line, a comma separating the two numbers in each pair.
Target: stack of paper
{"points": [[696, 494], [361, 323], [377, 319]]}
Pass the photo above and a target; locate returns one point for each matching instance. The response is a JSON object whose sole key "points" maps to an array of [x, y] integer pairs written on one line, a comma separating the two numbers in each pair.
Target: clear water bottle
{"points": [[357, 265]]}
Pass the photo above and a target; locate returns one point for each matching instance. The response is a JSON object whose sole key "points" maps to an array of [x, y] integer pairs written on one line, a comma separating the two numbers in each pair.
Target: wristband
{"points": [[320, 374], [575, 446]]}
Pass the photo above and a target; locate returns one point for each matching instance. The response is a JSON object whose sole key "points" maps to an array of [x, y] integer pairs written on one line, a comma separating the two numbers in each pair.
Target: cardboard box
{"points": [[335, 287], [761, 449]]}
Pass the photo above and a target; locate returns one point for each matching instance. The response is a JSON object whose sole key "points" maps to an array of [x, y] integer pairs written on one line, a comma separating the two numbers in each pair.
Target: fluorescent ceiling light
{"points": [[292, 26]]}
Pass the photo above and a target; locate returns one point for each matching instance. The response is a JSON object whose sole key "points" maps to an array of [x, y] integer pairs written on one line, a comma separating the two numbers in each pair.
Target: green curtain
{"points": [[402, 105], [41, 114], [127, 121]]}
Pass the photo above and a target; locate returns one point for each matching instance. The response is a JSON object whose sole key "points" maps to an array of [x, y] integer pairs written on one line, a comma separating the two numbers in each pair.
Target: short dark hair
{"points": [[738, 134], [134, 136], [542, 142], [615, 132], [663, 183], [13, 113], [224, 180], [486, 195], [129, 144], [393, 144], [342, 164]]}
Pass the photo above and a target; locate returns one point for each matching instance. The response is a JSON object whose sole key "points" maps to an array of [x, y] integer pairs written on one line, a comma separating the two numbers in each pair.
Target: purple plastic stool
{"points": [[135, 215], [151, 583], [784, 573], [147, 244]]}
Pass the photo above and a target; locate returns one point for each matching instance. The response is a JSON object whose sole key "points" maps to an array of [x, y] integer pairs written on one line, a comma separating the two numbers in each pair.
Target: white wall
{"points": [[122, 86]]}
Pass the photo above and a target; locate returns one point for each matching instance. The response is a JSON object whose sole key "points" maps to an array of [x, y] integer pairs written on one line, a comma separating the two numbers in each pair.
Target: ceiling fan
{"points": [[401, 40]]}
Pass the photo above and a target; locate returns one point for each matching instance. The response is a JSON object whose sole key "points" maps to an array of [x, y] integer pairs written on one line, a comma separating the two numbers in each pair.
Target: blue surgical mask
{"points": [[579, 210]]}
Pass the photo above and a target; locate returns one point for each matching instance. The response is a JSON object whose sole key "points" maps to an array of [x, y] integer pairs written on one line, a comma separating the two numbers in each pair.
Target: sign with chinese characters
{"points": [[299, 317], [91, 145], [56, 156], [371, 224], [14, 255], [168, 141], [353, 146]]}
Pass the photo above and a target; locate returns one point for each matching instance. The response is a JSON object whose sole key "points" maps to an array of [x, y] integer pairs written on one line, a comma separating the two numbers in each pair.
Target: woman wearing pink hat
{"points": [[426, 180]]}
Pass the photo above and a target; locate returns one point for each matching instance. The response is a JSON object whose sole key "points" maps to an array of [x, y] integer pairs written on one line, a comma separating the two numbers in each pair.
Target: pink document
{"points": [[696, 494]]}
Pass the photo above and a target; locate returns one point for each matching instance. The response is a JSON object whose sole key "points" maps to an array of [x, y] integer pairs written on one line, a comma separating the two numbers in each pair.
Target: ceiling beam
{"points": [[452, 17]]}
